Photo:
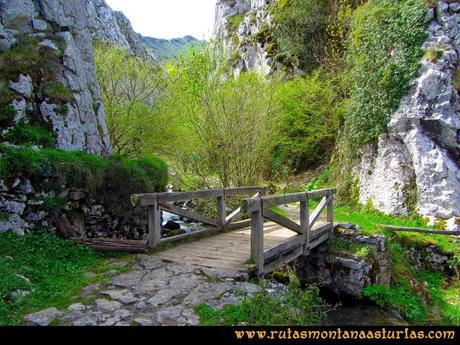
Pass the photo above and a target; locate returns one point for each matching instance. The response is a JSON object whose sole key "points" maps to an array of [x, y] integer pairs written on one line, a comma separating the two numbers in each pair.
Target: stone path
{"points": [[153, 292]]}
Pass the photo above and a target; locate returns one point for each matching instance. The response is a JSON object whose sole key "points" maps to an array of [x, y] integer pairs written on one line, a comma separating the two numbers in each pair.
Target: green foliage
{"points": [[51, 204], [384, 50], [300, 30], [113, 178], [23, 134], [309, 116], [7, 113], [411, 305], [220, 126], [49, 269], [293, 307], [130, 87]]}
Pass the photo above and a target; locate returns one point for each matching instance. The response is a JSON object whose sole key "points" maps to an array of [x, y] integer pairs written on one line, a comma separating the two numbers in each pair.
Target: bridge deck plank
{"points": [[229, 250]]}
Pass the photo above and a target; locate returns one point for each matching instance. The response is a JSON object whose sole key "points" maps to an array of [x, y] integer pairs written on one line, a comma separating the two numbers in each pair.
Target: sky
{"points": [[169, 18]]}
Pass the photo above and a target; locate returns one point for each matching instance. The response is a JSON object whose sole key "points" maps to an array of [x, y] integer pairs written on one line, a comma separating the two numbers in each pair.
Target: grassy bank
{"points": [[39, 271]]}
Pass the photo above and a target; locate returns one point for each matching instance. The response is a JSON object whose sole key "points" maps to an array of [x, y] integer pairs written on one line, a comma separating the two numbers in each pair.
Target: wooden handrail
{"points": [[259, 208], [156, 202], [148, 199]]}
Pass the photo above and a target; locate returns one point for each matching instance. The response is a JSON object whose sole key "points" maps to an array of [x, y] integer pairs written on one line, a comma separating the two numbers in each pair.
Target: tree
{"points": [[225, 122], [130, 88]]}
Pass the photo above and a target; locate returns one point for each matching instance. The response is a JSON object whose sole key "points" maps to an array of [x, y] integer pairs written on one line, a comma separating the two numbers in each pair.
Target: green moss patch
{"points": [[114, 178]]}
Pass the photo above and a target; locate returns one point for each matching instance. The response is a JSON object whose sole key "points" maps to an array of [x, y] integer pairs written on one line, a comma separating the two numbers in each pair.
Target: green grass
{"points": [[23, 134], [58, 92], [54, 271], [295, 307], [115, 178], [51, 269]]}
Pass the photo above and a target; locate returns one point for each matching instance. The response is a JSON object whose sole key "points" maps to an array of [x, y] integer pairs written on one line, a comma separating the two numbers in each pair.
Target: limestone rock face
{"points": [[237, 41], [423, 137], [61, 28], [113, 27]]}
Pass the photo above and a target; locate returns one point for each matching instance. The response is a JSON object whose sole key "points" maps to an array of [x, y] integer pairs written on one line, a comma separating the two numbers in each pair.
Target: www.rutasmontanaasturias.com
{"points": [[339, 334]]}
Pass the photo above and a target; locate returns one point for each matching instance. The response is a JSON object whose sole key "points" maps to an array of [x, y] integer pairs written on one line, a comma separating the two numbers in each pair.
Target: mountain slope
{"points": [[165, 49]]}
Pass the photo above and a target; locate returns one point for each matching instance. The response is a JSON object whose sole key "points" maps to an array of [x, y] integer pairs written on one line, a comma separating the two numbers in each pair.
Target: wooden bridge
{"points": [[241, 244]]}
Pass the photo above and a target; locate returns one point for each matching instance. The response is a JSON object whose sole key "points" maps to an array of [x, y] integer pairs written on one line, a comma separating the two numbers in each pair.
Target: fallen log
{"points": [[420, 230], [113, 245]]}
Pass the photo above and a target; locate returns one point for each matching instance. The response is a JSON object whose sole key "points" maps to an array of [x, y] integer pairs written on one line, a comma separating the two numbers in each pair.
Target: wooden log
{"points": [[187, 214], [319, 231], [287, 223], [113, 245], [194, 234], [283, 247], [323, 238], [317, 212], [420, 230], [238, 225]]}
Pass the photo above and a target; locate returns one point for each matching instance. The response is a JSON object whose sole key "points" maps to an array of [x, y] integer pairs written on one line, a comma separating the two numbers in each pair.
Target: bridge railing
{"points": [[158, 202], [259, 209]]}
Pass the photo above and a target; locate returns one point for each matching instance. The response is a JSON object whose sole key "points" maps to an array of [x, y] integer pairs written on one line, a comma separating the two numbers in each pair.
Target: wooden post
{"points": [[257, 238], [154, 235], [330, 213], [305, 223], [221, 212]]}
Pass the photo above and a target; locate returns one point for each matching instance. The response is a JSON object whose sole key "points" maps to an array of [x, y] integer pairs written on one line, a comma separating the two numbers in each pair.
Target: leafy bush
{"points": [[293, 307], [309, 117], [49, 269], [300, 30], [384, 50]]}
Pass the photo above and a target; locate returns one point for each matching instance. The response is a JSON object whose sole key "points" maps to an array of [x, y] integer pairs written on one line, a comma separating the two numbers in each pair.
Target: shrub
{"points": [[384, 50], [300, 30], [309, 117]]}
